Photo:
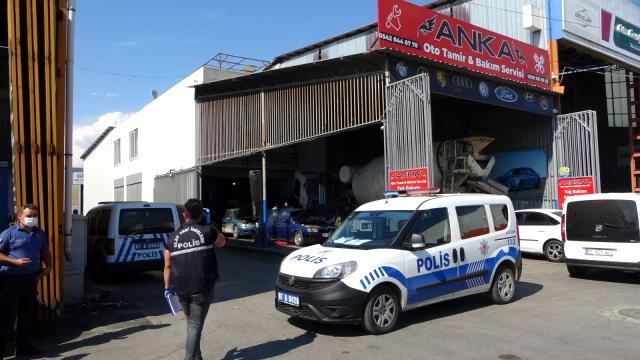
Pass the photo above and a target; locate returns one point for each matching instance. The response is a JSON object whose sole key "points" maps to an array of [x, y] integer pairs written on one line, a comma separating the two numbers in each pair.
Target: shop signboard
{"points": [[611, 28], [416, 30], [468, 87], [409, 179], [78, 178], [573, 186]]}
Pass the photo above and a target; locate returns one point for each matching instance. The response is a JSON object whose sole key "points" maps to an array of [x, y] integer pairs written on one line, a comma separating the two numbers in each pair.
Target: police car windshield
{"points": [[369, 229]]}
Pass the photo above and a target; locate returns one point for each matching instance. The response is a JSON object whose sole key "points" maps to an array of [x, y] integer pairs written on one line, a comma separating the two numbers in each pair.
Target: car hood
{"points": [[307, 261]]}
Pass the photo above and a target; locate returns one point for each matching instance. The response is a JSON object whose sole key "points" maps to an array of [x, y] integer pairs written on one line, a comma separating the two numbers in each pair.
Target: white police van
{"points": [[601, 231], [401, 253], [128, 236]]}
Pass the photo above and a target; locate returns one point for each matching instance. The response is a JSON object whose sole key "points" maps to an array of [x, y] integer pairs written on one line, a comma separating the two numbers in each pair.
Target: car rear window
{"points": [[602, 220], [146, 221]]}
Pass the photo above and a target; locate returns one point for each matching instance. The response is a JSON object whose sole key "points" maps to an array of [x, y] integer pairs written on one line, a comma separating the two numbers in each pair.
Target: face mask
{"points": [[30, 222]]}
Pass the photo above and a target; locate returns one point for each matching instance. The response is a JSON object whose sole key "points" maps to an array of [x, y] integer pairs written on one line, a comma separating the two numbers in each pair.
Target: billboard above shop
{"points": [[474, 88], [416, 30], [611, 28]]}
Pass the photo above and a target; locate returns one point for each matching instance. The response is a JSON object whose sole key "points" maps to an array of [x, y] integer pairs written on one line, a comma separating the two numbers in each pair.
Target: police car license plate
{"points": [[598, 252], [287, 298]]}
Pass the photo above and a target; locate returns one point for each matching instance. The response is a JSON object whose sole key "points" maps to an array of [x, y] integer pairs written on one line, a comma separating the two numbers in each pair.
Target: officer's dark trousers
{"points": [[195, 308], [17, 298]]}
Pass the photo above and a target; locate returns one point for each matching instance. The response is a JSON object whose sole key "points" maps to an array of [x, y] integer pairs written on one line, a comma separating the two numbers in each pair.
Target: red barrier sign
{"points": [[409, 179], [574, 186], [419, 31]]}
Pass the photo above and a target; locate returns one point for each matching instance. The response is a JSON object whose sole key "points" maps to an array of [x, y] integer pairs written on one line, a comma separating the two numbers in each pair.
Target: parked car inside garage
{"points": [[540, 233], [238, 222], [299, 226]]}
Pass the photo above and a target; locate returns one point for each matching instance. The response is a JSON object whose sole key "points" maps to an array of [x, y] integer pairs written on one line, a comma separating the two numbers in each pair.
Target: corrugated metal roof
{"points": [[96, 142]]}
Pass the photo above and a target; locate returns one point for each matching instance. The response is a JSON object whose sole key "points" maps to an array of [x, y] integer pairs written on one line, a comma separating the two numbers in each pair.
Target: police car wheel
{"points": [[553, 251], [381, 311], [236, 232], [298, 239], [504, 286]]}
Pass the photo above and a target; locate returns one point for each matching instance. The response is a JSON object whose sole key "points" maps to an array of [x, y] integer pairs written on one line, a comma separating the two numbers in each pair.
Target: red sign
{"points": [[574, 186], [409, 179], [419, 31]]}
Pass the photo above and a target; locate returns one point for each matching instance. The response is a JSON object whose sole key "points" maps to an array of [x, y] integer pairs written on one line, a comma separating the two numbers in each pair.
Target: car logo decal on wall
{"points": [[506, 94]]}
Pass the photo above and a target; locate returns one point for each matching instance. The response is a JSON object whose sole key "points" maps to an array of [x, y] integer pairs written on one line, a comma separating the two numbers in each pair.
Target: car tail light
{"points": [[563, 228], [109, 247]]}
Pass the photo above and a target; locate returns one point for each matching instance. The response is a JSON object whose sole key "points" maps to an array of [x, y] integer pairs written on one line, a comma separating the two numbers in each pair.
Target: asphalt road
{"points": [[553, 317]]}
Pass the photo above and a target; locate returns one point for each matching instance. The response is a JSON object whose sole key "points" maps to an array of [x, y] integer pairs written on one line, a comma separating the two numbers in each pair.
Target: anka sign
{"points": [[419, 31]]}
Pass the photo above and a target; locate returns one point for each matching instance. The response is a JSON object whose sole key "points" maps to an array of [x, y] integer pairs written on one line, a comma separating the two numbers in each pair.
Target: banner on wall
{"points": [[610, 27], [409, 179], [574, 186], [419, 31]]}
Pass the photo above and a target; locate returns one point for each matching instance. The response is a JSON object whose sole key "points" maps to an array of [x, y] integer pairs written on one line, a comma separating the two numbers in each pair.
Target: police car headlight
{"points": [[337, 271]]}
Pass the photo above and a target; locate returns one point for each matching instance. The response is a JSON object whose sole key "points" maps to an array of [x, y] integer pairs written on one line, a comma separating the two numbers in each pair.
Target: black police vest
{"points": [[194, 268]]}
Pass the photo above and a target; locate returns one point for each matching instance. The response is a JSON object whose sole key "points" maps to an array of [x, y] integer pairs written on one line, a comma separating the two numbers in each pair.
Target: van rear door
{"points": [[143, 232], [603, 230]]}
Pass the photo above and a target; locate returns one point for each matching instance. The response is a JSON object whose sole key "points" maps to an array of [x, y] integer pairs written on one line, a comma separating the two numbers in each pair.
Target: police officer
{"points": [[191, 270], [24, 258]]}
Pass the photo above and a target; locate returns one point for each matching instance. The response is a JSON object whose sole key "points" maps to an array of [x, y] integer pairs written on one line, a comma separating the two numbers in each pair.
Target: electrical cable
{"points": [[128, 75]]}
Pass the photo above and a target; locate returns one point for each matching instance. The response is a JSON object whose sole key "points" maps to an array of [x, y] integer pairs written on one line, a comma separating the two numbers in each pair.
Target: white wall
{"points": [[166, 140], [98, 175]]}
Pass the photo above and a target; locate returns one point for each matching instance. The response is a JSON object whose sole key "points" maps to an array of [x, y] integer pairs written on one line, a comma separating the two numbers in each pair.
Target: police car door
{"points": [[473, 248], [431, 272]]}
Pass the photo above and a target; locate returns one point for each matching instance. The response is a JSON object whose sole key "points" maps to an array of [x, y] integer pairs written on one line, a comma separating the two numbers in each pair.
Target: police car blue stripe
{"points": [[363, 285], [126, 255], [376, 272], [121, 250], [382, 271], [367, 278]]}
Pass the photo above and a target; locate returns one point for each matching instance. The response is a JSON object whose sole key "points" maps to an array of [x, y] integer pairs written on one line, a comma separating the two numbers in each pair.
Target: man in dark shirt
{"points": [[24, 258], [191, 270]]}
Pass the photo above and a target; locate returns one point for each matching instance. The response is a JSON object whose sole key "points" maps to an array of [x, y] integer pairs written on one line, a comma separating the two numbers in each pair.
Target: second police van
{"points": [[401, 253], [128, 236]]}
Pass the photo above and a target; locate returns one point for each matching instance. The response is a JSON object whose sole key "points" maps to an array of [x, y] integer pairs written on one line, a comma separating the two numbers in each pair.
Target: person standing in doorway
{"points": [[24, 258], [191, 271]]}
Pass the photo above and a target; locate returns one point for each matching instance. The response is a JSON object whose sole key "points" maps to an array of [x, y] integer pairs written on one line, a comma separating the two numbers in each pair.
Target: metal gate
{"points": [[575, 145], [407, 126]]}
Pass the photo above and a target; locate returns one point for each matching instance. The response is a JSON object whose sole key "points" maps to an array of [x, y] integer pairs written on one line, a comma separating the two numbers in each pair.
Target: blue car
{"points": [[237, 222], [520, 179], [298, 226]]}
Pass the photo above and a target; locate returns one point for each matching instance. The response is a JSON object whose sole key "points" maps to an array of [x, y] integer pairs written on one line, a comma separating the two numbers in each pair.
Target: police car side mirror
{"points": [[417, 242]]}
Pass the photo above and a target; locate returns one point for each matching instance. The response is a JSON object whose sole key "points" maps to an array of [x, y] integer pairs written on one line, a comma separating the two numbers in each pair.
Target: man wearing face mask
{"points": [[24, 258]]}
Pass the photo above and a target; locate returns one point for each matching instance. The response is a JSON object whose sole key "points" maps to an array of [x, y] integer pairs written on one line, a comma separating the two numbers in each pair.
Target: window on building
{"points": [[133, 144], [616, 90], [116, 152]]}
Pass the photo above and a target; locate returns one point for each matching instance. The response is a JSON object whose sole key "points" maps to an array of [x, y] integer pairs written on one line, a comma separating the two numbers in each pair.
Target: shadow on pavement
{"points": [[419, 315], [615, 276], [122, 305], [270, 349]]}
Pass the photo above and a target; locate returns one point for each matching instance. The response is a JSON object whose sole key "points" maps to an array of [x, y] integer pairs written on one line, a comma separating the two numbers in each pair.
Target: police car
{"points": [[401, 253], [128, 236]]}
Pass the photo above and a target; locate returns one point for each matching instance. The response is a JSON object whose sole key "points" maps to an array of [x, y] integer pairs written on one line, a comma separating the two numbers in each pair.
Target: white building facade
{"points": [[122, 163]]}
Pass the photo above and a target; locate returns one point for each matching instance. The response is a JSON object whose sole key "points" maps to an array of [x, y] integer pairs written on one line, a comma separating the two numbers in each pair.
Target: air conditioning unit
{"points": [[532, 18]]}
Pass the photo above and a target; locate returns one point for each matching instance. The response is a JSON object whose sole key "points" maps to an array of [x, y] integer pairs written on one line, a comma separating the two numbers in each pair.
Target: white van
{"points": [[128, 236], [401, 253], [601, 231]]}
